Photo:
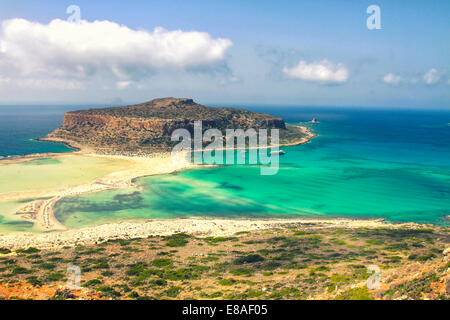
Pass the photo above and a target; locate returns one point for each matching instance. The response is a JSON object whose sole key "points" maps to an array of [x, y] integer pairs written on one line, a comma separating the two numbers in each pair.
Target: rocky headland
{"points": [[147, 127]]}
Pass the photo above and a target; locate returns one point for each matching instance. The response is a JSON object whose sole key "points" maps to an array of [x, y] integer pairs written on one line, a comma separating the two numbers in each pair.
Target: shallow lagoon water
{"points": [[10, 223], [45, 175], [53, 174], [385, 164]]}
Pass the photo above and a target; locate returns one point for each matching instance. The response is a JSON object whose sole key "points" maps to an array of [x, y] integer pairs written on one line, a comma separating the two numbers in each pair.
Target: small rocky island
{"points": [[147, 127]]}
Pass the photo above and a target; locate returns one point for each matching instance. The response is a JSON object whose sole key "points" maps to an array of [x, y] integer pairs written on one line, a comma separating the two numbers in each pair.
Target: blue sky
{"points": [[308, 53]]}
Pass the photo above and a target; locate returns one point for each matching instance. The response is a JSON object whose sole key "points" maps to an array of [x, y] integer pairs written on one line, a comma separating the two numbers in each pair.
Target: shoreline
{"points": [[56, 235], [84, 149], [32, 156], [41, 211], [199, 227]]}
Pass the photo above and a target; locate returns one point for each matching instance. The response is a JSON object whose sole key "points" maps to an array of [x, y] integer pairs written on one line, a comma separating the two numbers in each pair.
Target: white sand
{"points": [[200, 227]]}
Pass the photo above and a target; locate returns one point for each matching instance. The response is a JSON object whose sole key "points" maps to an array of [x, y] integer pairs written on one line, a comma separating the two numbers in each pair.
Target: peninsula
{"points": [[146, 128]]}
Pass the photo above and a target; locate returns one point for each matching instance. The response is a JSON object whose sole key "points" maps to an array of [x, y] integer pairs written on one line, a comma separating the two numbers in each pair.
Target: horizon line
{"points": [[231, 105]]}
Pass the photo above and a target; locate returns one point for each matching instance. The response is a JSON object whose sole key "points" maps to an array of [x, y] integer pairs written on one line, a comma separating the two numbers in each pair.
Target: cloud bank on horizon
{"points": [[431, 77], [393, 79]]}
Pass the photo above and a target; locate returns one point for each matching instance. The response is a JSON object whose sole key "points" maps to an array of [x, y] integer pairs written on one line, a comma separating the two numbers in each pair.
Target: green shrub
{"points": [[172, 292], [136, 269], [215, 295], [393, 259], [285, 257], [55, 259], [90, 251], [422, 258], [158, 282], [159, 263], [301, 232], [214, 240], [20, 270], [340, 278], [56, 276], [227, 282], [254, 294], [8, 261], [271, 265], [376, 241], [29, 250], [4, 251], [48, 266], [177, 240], [295, 266], [109, 291], [33, 280], [397, 246], [101, 265], [251, 258], [322, 268], [246, 272], [92, 282], [361, 293], [182, 274]]}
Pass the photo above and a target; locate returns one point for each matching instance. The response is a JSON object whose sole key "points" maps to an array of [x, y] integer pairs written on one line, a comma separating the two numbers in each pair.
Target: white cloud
{"points": [[55, 52], [431, 77], [123, 84], [392, 79], [322, 71]]}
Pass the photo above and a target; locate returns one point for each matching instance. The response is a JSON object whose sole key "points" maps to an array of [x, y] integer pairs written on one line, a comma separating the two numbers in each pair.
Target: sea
{"points": [[20, 126], [364, 163]]}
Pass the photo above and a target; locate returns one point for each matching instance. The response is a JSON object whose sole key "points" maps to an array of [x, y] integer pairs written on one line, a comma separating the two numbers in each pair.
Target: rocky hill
{"points": [[281, 261], [148, 126]]}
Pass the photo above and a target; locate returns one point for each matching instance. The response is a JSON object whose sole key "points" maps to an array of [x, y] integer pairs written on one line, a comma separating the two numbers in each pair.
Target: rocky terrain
{"points": [[148, 126], [289, 261]]}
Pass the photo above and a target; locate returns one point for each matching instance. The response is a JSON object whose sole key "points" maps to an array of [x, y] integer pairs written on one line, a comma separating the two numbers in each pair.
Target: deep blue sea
{"points": [[21, 125]]}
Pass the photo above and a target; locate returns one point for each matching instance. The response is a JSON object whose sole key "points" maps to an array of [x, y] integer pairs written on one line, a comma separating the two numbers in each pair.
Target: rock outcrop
{"points": [[148, 126]]}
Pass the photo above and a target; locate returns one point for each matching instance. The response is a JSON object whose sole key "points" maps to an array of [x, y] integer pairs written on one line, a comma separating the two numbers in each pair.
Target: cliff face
{"points": [[149, 125]]}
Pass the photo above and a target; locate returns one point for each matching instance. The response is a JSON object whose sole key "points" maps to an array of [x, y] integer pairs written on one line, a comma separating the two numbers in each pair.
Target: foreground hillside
{"points": [[289, 262]]}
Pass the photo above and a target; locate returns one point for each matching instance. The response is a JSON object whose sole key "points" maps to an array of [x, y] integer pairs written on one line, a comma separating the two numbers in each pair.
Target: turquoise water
{"points": [[392, 164]]}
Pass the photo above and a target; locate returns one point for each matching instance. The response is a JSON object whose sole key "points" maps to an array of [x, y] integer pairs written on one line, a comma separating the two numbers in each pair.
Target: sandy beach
{"points": [[200, 227]]}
